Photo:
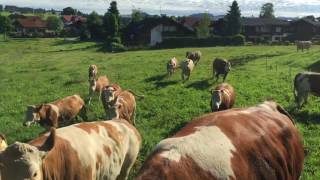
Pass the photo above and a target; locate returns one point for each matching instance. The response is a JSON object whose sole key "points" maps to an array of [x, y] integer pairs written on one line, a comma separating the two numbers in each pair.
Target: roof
{"points": [[73, 18], [314, 23], [32, 22], [264, 21]]}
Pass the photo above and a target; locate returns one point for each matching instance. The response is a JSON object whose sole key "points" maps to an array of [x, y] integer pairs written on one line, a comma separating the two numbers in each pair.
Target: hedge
{"points": [[176, 42]]}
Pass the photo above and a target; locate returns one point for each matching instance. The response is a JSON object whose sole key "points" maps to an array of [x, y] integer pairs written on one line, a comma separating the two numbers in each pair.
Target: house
{"points": [[305, 29], [72, 19], [265, 29], [154, 30], [30, 24], [73, 24]]}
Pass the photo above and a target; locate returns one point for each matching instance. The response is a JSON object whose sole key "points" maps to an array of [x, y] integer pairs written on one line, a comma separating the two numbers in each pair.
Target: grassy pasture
{"points": [[42, 70]]}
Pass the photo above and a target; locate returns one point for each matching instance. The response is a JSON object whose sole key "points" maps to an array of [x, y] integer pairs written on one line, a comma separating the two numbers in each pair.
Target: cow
{"points": [[305, 83], [172, 65], [93, 71], [51, 114], [96, 86], [3, 143], [119, 103], [194, 56], [86, 151], [220, 66], [186, 67], [222, 97], [259, 142], [301, 45]]}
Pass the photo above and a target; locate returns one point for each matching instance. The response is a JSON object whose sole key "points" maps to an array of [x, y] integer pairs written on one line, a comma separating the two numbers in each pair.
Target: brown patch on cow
{"points": [[99, 161], [157, 167], [107, 150], [114, 134], [88, 127]]}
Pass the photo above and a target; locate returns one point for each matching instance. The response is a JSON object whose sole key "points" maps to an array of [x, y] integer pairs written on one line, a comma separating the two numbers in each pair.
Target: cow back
{"points": [[69, 106]]}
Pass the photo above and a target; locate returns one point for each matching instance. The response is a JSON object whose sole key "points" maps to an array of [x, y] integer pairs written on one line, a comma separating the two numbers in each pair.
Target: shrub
{"points": [[116, 40], [238, 39], [117, 47]]}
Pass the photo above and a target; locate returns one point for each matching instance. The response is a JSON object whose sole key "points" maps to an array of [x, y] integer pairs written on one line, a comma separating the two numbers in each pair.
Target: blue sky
{"points": [[290, 8]]}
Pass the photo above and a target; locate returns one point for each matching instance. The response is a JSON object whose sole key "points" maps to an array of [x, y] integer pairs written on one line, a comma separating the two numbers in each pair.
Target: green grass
{"points": [[42, 70]]}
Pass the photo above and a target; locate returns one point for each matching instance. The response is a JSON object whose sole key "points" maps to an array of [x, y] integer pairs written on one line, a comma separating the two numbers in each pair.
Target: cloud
{"points": [[177, 7]]}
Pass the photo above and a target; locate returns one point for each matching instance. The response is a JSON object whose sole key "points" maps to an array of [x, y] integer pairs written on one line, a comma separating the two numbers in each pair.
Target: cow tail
{"points": [[139, 96]]}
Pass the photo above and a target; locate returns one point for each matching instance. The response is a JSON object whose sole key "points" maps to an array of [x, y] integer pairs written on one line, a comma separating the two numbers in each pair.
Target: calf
{"points": [[186, 67], [194, 56], [93, 71], [222, 97], [301, 45], [3, 143], [259, 142], [172, 66], [96, 86], [51, 114], [85, 151], [119, 103], [305, 83], [220, 66]]}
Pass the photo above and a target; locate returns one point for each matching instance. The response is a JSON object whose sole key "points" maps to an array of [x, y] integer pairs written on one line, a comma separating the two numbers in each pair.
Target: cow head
{"points": [[3, 143], [110, 93], [93, 70], [21, 161], [35, 114], [216, 99]]}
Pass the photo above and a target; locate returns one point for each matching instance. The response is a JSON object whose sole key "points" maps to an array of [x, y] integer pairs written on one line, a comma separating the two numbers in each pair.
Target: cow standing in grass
{"points": [[305, 83], [51, 114], [172, 65], [220, 67], [222, 97], [186, 67], [259, 142], [93, 71], [85, 151], [96, 86], [302, 45], [194, 56]]}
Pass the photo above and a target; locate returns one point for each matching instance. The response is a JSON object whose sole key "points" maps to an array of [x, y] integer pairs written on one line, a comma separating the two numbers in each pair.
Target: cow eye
{"points": [[35, 174]]}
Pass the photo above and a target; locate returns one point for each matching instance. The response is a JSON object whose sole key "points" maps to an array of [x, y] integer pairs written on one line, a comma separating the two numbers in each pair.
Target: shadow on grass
{"points": [[67, 41], [306, 117], [156, 78], [315, 67], [164, 84], [70, 82], [200, 85], [75, 49]]}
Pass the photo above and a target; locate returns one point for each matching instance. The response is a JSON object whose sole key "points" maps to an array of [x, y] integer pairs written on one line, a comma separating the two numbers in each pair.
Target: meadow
{"points": [[35, 71]]}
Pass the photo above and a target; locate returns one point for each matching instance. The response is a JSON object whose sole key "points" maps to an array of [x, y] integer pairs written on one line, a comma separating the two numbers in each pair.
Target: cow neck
{"points": [[112, 103]]}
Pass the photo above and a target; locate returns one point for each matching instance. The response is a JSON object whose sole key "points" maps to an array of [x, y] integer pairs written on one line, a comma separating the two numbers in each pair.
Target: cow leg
{"points": [[90, 96], [128, 162]]}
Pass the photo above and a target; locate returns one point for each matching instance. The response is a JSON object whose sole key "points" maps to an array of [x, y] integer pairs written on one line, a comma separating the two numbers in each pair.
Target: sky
{"points": [[288, 8]]}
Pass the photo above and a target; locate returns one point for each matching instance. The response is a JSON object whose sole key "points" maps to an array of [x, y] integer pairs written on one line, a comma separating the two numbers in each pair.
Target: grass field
{"points": [[42, 70]]}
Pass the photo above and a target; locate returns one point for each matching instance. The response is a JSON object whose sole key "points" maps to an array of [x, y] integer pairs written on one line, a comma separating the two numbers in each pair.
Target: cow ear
{"points": [[283, 111], [51, 140]]}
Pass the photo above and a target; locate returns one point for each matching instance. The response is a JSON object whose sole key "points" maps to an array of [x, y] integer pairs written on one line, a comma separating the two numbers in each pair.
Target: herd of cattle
{"points": [[259, 142]]}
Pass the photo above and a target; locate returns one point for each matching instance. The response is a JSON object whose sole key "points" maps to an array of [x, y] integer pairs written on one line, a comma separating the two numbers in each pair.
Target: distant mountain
{"points": [[212, 17]]}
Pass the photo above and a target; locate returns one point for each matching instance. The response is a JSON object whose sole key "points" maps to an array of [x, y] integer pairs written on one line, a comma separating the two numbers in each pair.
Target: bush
{"points": [[84, 35], [116, 40], [117, 47], [238, 39]]}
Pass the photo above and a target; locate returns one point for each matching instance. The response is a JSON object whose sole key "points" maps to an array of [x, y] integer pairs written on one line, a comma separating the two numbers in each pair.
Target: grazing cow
{"points": [[220, 66], [301, 45], [119, 103], [194, 56], [186, 67], [51, 114], [222, 97], [305, 83], [3, 143], [172, 66], [85, 151], [93, 71], [96, 86], [260, 142]]}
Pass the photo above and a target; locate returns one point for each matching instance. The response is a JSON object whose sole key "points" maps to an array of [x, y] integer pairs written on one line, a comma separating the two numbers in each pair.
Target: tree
{"points": [[233, 19], [202, 28], [111, 21], [94, 24], [54, 23], [69, 11], [137, 15], [267, 11], [5, 26]]}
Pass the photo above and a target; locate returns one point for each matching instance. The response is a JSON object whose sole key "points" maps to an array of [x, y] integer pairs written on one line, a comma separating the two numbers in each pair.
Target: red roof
{"points": [[190, 21], [32, 22], [72, 18]]}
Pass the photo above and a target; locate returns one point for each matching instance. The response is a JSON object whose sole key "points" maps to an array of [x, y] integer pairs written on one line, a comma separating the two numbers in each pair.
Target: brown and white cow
{"points": [[85, 151], [172, 65], [259, 142], [302, 45], [222, 97], [305, 83], [93, 71], [194, 56], [51, 114], [96, 86], [3, 143], [186, 67], [119, 103], [220, 66]]}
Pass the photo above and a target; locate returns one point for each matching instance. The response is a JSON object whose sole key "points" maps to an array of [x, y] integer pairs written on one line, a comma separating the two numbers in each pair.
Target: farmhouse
{"points": [[30, 24], [152, 31], [72, 24], [305, 29], [265, 29]]}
